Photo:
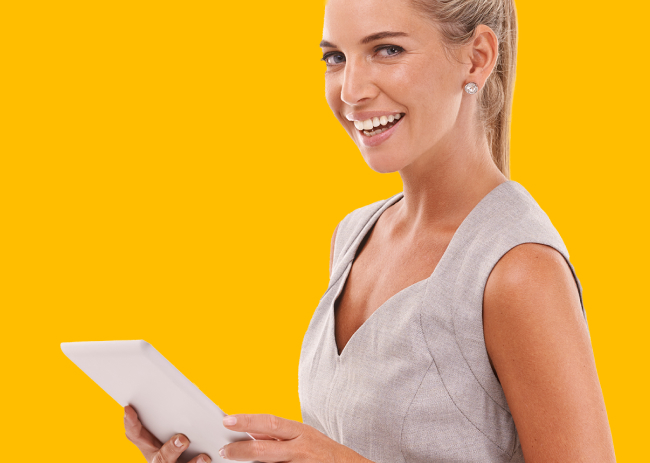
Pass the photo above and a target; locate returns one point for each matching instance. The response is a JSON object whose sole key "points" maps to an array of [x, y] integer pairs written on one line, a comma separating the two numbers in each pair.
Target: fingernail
{"points": [[229, 420], [204, 460], [177, 442], [221, 453]]}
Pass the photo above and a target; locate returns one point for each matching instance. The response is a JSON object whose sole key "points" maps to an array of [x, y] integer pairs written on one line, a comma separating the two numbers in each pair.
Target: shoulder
{"points": [[524, 255], [530, 284], [349, 228], [528, 267], [531, 281]]}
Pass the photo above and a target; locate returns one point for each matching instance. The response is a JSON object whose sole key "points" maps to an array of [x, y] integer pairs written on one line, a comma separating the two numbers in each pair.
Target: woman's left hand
{"points": [[282, 440]]}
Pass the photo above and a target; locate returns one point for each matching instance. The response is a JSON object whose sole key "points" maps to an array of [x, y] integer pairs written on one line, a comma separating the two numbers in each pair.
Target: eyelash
{"points": [[385, 47]]}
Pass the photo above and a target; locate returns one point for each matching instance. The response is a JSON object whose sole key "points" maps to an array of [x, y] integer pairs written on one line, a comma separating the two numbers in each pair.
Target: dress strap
{"points": [[349, 230]]}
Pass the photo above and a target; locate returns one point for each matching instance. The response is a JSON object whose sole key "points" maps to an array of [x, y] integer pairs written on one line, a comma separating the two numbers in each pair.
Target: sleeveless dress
{"points": [[414, 382]]}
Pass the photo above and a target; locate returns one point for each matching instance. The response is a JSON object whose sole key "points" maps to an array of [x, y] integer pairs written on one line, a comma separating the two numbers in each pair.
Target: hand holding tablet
{"points": [[152, 449], [161, 405], [166, 402]]}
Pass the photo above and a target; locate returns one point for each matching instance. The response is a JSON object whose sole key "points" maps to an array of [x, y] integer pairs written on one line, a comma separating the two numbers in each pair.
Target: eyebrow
{"points": [[368, 39]]}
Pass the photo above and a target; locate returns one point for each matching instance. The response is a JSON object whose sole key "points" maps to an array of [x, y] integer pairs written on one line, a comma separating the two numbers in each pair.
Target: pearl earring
{"points": [[471, 88]]}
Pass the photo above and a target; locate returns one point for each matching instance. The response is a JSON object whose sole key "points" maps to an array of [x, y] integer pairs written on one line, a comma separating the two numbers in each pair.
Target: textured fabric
{"points": [[414, 382]]}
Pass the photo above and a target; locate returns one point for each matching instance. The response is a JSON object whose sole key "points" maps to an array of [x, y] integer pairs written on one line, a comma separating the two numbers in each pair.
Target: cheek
{"points": [[428, 91], [333, 98], [409, 85], [332, 93]]}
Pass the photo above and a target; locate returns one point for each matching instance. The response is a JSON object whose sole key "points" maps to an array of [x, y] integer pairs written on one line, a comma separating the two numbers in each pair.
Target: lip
{"points": [[382, 137], [365, 115]]}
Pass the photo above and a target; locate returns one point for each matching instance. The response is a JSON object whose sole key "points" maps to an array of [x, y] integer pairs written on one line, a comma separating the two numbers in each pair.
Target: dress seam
{"points": [[462, 353], [449, 394], [401, 434]]}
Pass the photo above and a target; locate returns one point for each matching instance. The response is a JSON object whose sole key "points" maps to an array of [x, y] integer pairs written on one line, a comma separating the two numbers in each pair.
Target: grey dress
{"points": [[414, 383]]}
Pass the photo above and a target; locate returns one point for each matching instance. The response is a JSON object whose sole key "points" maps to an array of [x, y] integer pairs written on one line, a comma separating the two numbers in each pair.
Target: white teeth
{"points": [[369, 124], [374, 132]]}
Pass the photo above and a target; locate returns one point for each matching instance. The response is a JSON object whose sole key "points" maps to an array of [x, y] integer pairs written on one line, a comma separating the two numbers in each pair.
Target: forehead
{"points": [[351, 19]]}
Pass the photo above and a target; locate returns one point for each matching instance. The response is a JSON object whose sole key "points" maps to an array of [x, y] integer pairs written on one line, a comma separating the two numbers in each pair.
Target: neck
{"points": [[443, 186]]}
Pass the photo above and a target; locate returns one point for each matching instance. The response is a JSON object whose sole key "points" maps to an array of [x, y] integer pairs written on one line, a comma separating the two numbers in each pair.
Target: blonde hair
{"points": [[457, 20]]}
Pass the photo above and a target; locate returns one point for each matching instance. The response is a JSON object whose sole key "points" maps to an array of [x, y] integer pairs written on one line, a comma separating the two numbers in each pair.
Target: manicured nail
{"points": [[221, 453], [178, 442], [229, 420]]}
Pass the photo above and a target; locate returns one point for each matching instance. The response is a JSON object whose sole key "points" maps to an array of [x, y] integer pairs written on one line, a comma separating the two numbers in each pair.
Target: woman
{"points": [[453, 327]]}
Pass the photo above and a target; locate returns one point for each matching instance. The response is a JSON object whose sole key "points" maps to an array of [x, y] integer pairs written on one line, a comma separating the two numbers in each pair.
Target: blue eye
{"points": [[391, 50], [333, 58], [338, 58]]}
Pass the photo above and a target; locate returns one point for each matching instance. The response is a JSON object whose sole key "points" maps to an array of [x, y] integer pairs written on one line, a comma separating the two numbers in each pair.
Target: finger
{"points": [[138, 434], [270, 425], [200, 459], [257, 450], [172, 449], [255, 435]]}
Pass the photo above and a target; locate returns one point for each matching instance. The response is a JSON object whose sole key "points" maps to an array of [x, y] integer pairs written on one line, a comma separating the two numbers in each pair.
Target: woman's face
{"points": [[386, 60]]}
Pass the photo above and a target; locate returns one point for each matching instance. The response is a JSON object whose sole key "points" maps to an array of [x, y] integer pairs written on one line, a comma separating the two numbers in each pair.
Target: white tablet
{"points": [[134, 373]]}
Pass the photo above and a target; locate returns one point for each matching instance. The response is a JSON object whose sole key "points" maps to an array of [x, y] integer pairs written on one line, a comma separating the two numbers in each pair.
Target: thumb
{"points": [[172, 449]]}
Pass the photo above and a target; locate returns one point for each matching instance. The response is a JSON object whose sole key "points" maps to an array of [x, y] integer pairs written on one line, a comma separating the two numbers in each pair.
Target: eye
{"points": [[391, 50], [333, 58]]}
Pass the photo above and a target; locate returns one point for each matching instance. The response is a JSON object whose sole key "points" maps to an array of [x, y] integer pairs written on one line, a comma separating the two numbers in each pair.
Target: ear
{"points": [[481, 54]]}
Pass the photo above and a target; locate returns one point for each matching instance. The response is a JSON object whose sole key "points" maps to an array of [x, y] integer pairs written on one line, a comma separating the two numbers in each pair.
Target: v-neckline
{"points": [[353, 253]]}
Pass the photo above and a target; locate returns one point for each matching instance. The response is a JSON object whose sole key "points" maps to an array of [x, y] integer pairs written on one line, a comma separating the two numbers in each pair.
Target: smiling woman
{"points": [[453, 327], [420, 61]]}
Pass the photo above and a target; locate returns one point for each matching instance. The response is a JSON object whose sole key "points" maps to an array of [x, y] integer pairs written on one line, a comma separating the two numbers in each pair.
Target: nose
{"points": [[357, 83]]}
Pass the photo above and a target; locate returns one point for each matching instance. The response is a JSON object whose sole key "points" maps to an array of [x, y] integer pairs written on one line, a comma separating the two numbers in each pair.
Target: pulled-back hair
{"points": [[457, 20]]}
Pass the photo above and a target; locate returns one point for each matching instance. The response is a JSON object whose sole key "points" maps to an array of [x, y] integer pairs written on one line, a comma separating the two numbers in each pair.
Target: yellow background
{"points": [[170, 171]]}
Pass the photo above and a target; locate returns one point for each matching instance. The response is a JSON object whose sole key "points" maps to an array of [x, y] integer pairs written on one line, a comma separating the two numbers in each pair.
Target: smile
{"points": [[377, 125]]}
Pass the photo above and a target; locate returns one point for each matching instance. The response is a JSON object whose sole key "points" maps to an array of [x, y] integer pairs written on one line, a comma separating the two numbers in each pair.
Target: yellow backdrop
{"points": [[172, 172]]}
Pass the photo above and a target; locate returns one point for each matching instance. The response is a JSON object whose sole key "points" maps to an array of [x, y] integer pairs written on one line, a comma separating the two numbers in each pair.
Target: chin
{"points": [[385, 164]]}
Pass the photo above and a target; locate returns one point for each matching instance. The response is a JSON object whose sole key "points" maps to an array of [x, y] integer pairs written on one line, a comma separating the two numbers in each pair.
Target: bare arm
{"points": [[538, 341]]}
